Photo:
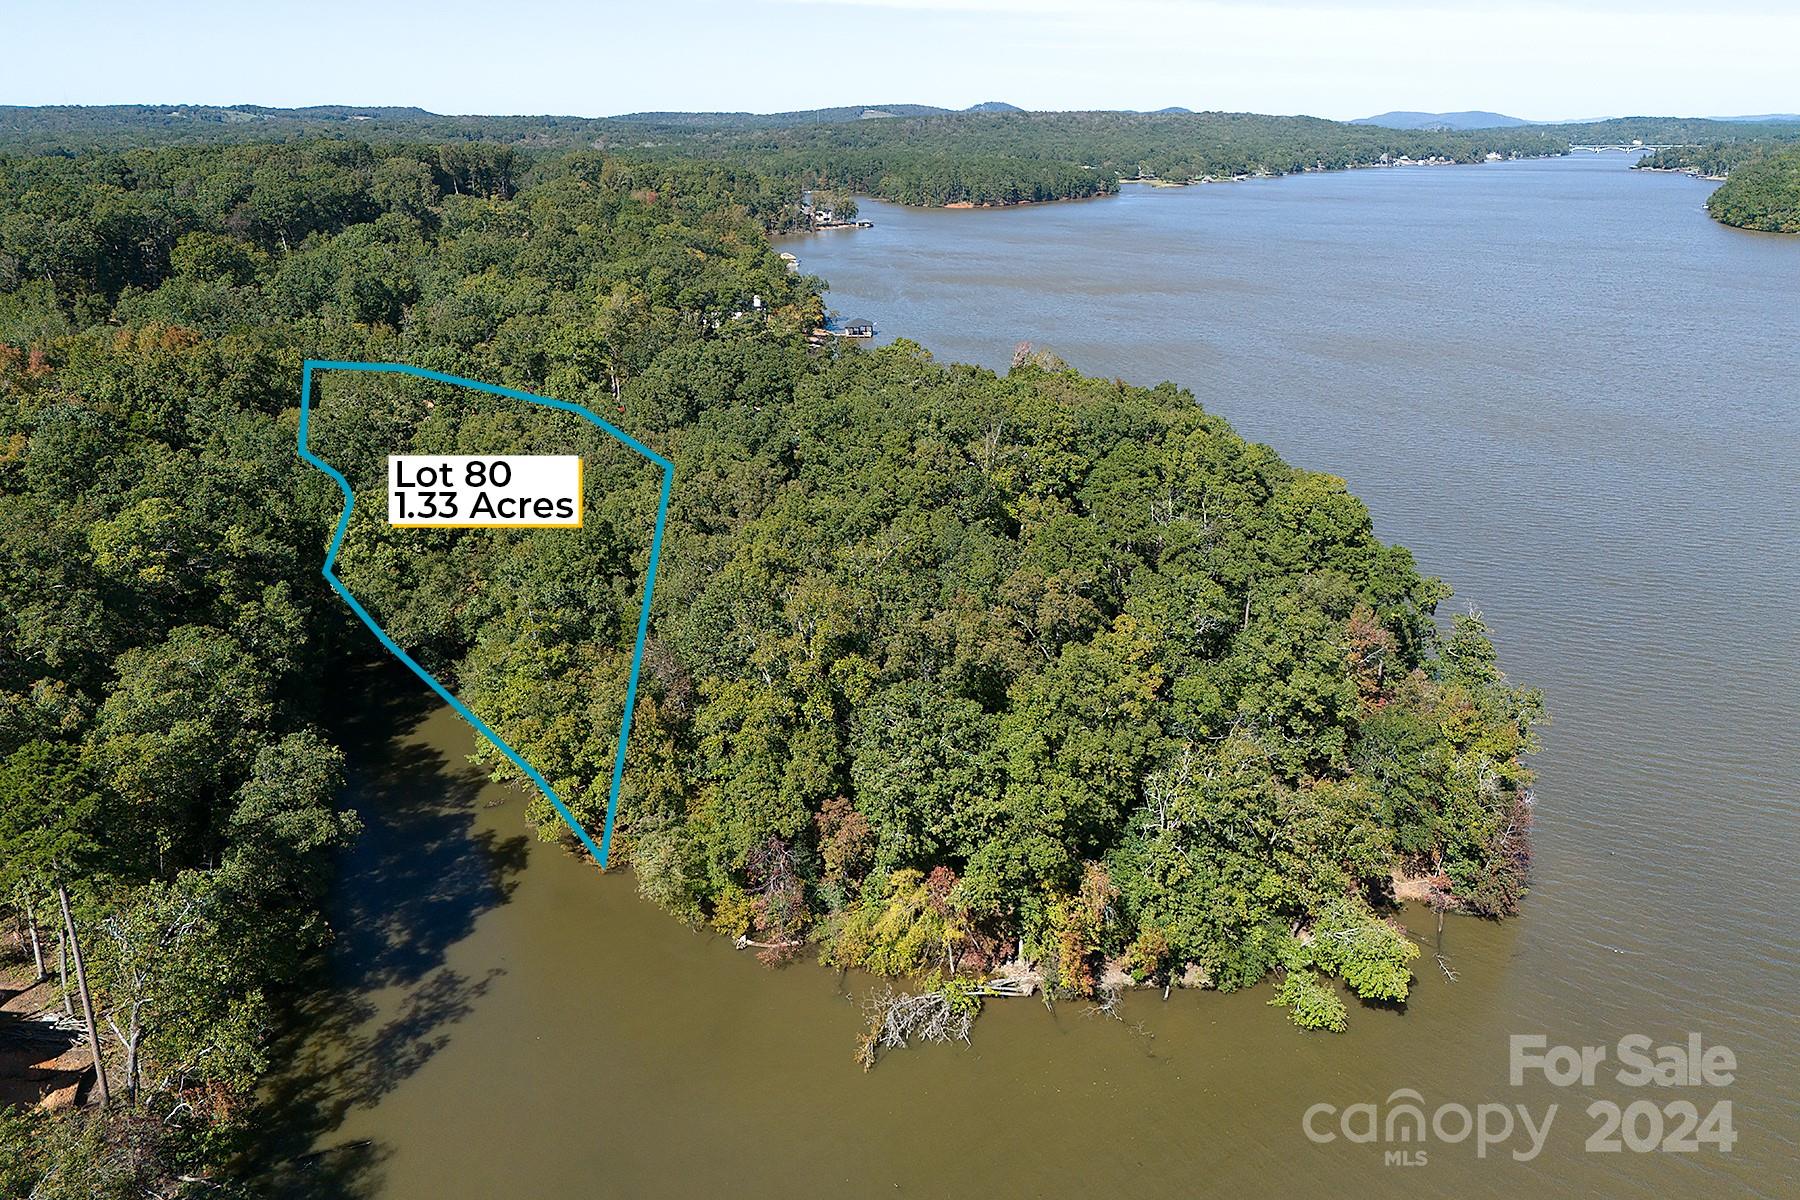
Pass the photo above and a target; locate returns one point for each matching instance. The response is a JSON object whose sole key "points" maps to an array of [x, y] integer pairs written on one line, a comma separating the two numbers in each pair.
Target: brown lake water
{"points": [[1574, 397]]}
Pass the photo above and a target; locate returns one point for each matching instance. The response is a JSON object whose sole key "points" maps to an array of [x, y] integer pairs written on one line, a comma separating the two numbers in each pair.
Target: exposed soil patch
{"points": [[40, 1061]]}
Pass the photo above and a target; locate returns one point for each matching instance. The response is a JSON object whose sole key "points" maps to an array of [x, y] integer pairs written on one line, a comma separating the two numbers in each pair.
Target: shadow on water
{"points": [[414, 885]]}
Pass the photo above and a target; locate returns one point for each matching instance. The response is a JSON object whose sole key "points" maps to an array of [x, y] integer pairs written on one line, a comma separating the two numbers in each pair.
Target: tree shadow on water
{"points": [[339, 1056], [422, 874], [418, 880]]}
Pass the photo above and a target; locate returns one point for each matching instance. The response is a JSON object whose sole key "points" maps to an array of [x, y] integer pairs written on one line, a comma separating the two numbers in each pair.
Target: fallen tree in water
{"points": [[944, 1012]]}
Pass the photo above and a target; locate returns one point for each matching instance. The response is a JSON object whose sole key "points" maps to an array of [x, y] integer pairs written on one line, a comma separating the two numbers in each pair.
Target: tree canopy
{"points": [[1762, 194], [947, 667], [1761, 173]]}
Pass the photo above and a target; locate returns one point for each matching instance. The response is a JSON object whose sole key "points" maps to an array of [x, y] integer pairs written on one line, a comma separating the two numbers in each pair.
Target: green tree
{"points": [[47, 827]]}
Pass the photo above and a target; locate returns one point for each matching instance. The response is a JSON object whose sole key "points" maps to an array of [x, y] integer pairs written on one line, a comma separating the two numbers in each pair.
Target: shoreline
{"points": [[1690, 172], [1158, 182]]}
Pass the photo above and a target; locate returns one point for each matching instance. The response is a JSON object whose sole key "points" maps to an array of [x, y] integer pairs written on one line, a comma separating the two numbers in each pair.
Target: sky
{"points": [[1330, 58]]}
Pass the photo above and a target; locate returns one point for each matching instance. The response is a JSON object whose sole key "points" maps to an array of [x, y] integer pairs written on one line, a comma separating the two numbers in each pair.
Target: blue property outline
{"points": [[643, 628]]}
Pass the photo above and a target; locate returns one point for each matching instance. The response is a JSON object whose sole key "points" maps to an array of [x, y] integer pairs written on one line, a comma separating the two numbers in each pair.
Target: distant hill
{"points": [[1069, 151], [76, 128], [336, 112], [784, 120], [806, 116], [1448, 120], [1674, 131], [1171, 110], [115, 116]]}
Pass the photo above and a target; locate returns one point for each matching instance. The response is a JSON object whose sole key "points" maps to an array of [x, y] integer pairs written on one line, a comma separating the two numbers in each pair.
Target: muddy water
{"points": [[1567, 391]]}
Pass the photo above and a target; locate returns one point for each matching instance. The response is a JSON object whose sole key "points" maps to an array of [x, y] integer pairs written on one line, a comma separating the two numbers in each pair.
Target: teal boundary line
{"points": [[601, 851]]}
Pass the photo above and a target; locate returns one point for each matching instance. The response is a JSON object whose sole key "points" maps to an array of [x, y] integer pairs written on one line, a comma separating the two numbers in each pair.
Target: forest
{"points": [[991, 154], [1763, 193], [1007, 158], [1711, 159], [916, 156], [1672, 131], [952, 673], [1762, 180]]}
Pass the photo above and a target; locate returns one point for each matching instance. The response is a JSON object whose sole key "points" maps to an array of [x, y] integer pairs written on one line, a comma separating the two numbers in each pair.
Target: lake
{"points": [[1570, 393]]}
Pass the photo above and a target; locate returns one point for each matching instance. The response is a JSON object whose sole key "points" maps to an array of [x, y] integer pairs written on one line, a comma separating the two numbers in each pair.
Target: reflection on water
{"points": [[1570, 393], [414, 887]]}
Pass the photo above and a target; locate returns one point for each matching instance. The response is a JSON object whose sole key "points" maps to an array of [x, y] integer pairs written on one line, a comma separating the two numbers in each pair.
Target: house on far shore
{"points": [[856, 327]]}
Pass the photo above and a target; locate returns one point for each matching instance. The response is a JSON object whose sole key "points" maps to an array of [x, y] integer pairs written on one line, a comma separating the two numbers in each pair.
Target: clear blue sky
{"points": [[1334, 58]]}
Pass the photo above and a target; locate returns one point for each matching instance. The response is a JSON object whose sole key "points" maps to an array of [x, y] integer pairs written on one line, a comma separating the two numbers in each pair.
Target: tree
{"points": [[144, 943], [1078, 739], [927, 773], [181, 723], [21, 897], [47, 810], [49, 1157]]}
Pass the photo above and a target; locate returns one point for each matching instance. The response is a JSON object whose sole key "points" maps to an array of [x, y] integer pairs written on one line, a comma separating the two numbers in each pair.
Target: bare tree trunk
{"points": [[62, 970], [37, 947], [87, 1001], [130, 1037], [131, 1057]]}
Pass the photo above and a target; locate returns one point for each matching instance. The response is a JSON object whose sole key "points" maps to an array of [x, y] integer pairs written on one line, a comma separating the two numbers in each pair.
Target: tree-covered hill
{"points": [[1762, 179], [1670, 131], [948, 668], [777, 120], [1762, 194], [74, 128], [1475, 119]]}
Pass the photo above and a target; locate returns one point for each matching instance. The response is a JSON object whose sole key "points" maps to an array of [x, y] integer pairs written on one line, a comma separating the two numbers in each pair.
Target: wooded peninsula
{"points": [[980, 681], [1762, 180]]}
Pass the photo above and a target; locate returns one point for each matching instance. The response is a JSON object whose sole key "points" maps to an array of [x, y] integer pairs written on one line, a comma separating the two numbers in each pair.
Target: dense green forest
{"points": [[1670, 131], [1762, 181], [1005, 158], [1763, 193], [164, 641], [949, 669], [915, 156], [77, 128], [1711, 159]]}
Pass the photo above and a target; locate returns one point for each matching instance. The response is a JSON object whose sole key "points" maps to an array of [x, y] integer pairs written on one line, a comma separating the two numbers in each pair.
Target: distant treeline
{"points": [[1006, 158], [917, 155], [1714, 158], [70, 129], [922, 158], [1670, 131]]}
